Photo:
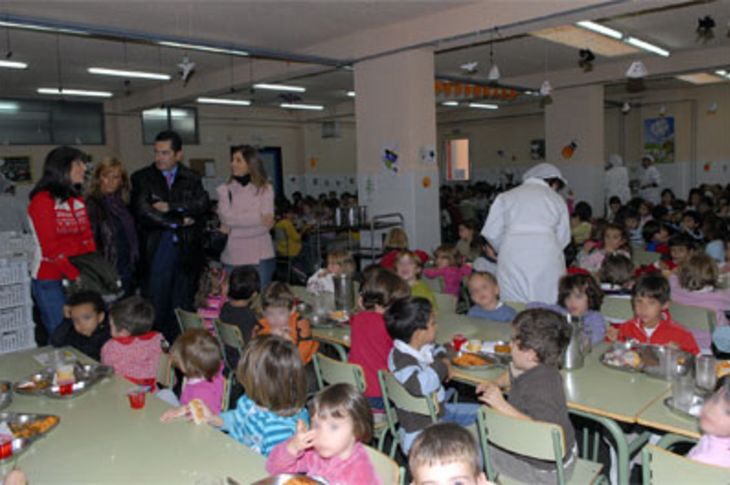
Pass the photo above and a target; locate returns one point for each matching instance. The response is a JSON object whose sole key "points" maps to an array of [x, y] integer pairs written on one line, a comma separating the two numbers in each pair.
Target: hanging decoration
{"points": [[569, 150], [585, 59], [705, 28], [186, 69], [426, 182], [459, 90], [313, 161]]}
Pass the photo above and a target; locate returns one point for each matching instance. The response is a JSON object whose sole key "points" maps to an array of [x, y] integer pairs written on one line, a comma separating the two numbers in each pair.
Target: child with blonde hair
{"points": [[409, 266], [448, 267], [484, 292], [338, 262]]}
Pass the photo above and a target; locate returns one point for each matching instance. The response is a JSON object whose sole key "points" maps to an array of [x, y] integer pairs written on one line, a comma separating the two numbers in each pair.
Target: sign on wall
{"points": [[659, 138]]}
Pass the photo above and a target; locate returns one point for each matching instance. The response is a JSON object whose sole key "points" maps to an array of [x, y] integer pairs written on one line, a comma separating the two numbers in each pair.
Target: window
{"points": [[182, 120], [457, 159], [26, 122]]}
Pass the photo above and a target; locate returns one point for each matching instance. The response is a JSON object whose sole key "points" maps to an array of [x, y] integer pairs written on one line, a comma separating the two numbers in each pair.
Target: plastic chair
{"points": [[165, 371], [661, 466], [693, 316], [434, 284], [387, 469], [617, 310], [229, 336], [534, 439], [188, 320], [445, 302], [395, 396], [643, 257]]}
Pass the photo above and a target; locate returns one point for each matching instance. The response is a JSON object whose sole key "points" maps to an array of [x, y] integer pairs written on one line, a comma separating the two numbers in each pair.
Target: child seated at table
{"points": [[580, 296], [681, 247], [714, 445], [333, 448], [134, 349], [85, 327], [617, 276], [484, 292], [652, 322], [615, 240], [369, 339], [396, 241], [338, 262], [539, 337], [421, 366], [446, 454], [198, 357], [408, 266], [210, 297], [448, 267], [243, 286], [467, 248], [695, 283], [656, 237], [272, 374]]}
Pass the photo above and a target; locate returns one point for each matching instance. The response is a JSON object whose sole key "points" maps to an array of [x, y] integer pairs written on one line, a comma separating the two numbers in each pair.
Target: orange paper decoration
{"points": [[439, 87], [448, 88], [313, 162], [426, 182]]}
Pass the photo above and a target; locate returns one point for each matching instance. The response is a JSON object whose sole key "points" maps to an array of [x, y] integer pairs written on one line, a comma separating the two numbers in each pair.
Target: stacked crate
{"points": [[17, 330]]}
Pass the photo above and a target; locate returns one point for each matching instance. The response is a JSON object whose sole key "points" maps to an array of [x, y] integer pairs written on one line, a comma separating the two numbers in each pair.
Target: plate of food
{"points": [[289, 479], [63, 383], [473, 361], [25, 429], [497, 349]]}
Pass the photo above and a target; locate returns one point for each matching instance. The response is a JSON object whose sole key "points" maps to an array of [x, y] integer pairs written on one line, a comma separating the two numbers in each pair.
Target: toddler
{"points": [[449, 268], [243, 286], [615, 239], [271, 372], [85, 327], [617, 275], [468, 247], [333, 448], [692, 225], [484, 292], [211, 295], [338, 262], [656, 237], [408, 266], [446, 454], [539, 337], [134, 349], [370, 342], [652, 322], [395, 242], [714, 445], [421, 367]]}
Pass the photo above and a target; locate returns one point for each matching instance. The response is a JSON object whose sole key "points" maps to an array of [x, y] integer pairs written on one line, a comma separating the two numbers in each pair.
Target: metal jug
{"points": [[362, 214], [344, 292], [575, 352], [352, 217], [338, 217]]}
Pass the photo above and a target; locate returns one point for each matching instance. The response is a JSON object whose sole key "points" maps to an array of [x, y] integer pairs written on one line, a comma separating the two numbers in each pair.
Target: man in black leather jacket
{"points": [[169, 204]]}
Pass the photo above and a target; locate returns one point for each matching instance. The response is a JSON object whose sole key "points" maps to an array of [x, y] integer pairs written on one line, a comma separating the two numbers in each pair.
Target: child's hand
{"points": [[175, 413], [611, 333], [302, 439], [491, 395]]}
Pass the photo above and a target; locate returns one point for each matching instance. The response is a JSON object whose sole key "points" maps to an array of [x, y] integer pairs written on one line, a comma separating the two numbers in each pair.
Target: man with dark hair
{"points": [[169, 203]]}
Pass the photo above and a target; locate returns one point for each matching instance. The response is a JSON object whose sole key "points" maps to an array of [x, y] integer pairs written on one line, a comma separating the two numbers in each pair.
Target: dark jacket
{"points": [[186, 197], [66, 335]]}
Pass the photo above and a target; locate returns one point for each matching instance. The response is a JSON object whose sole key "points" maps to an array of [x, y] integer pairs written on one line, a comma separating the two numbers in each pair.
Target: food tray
{"points": [[491, 361], [42, 383], [692, 412], [654, 360], [6, 394], [19, 423], [284, 478]]}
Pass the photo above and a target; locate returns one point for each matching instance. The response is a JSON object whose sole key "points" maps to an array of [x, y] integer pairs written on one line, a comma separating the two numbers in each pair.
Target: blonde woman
{"points": [[111, 221]]}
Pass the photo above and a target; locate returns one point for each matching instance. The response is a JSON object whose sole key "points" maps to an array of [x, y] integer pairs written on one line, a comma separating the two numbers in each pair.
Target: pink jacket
{"points": [[211, 393], [356, 469], [452, 276], [249, 241]]}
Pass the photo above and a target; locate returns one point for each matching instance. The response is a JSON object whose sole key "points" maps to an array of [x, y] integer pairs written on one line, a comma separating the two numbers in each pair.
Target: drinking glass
{"points": [[705, 372], [683, 391]]}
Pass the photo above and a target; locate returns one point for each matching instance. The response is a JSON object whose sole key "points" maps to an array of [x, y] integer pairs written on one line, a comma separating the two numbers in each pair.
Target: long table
{"points": [[100, 439]]}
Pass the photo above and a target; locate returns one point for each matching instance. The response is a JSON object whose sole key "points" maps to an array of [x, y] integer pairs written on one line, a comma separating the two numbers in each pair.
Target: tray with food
{"points": [[654, 360], [19, 430], [63, 382], [6, 394], [473, 361], [289, 479], [692, 411]]}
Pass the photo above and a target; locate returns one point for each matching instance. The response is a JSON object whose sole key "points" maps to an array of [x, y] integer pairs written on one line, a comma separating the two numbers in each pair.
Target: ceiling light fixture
{"points": [[700, 78], [104, 71], [450, 103], [74, 92], [641, 44], [280, 87], [13, 64], [351, 94], [494, 73], [483, 106], [723, 73], [311, 107], [43, 28], [627, 39], [10, 106], [600, 29], [203, 48], [224, 101]]}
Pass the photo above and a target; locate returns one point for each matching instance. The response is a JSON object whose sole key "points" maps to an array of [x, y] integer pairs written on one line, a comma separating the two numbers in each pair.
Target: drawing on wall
{"points": [[390, 159], [537, 149], [16, 169], [659, 138]]}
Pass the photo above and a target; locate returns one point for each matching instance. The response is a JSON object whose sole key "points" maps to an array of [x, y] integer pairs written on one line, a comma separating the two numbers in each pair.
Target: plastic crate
{"points": [[15, 244], [13, 271], [17, 339], [16, 317], [15, 295]]}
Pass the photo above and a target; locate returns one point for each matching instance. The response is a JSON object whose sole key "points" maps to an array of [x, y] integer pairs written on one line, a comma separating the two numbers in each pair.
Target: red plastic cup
{"points": [[66, 389], [137, 398], [458, 341], [6, 446]]}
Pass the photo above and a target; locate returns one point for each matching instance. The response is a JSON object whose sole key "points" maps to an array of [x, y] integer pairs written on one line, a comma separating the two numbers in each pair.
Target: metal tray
{"points": [[285, 477], [653, 359], [692, 412], [42, 383], [20, 443], [494, 362], [6, 394]]}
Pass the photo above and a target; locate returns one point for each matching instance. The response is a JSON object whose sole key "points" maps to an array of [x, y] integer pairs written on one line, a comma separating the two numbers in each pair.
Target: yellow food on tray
{"points": [[502, 349], [722, 368], [339, 315], [301, 481], [28, 430], [470, 360]]}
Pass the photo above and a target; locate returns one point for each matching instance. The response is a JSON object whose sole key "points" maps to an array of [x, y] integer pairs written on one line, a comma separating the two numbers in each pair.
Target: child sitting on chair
{"points": [[484, 292], [421, 367], [408, 266], [86, 328], [338, 262], [539, 337], [714, 445], [448, 267]]}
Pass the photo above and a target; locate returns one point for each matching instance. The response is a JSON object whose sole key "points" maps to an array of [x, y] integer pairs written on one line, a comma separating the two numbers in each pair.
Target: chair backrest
{"points": [[332, 371], [643, 257], [165, 371], [188, 320], [229, 335], [517, 305], [387, 469], [693, 316], [395, 392], [616, 309], [435, 284], [445, 302], [661, 466]]}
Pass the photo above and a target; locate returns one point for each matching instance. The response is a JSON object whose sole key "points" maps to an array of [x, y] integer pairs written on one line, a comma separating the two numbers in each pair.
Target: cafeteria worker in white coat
{"points": [[529, 227]]}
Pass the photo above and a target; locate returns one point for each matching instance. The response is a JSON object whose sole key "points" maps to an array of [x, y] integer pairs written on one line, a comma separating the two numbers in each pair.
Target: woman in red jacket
{"points": [[61, 227]]}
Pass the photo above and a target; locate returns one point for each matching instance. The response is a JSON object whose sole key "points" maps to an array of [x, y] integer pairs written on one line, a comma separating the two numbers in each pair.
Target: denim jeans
{"points": [[49, 296]]}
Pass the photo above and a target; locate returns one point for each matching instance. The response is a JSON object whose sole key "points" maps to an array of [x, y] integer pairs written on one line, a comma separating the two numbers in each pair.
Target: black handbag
{"points": [[215, 241]]}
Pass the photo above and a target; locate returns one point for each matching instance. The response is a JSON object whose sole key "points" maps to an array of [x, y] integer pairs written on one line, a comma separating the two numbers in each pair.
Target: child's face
{"points": [[615, 207], [631, 223], [465, 234], [277, 317], [715, 418], [649, 310], [407, 269], [679, 254], [333, 267], [443, 262], [612, 240], [643, 210], [425, 336], [666, 198], [574, 221], [453, 473], [662, 236], [85, 318], [689, 223], [577, 303], [522, 359], [335, 436], [483, 292]]}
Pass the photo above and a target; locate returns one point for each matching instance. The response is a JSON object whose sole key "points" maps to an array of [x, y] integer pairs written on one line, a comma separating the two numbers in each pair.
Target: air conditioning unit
{"points": [[331, 129]]}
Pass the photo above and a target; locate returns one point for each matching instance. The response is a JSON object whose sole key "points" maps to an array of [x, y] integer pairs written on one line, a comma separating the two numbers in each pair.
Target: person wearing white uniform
{"points": [[529, 227], [650, 180], [617, 180]]}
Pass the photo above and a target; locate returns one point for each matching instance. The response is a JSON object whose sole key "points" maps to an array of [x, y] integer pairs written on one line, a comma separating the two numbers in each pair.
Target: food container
{"points": [[44, 383], [474, 361], [692, 411], [25, 429], [654, 360]]}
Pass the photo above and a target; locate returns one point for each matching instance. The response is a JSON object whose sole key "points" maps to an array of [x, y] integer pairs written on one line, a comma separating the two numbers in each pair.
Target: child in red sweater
{"points": [[370, 342], [652, 322]]}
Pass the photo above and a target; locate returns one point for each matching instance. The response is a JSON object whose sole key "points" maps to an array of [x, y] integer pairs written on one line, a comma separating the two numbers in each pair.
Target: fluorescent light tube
{"points": [[103, 71], [9, 106], [313, 107], [600, 29], [646, 46], [450, 103], [74, 92], [204, 48], [13, 64], [351, 94], [43, 28], [224, 101], [280, 87], [483, 106]]}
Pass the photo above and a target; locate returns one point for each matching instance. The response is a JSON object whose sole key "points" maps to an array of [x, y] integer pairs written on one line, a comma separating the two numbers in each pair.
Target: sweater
{"points": [[257, 427], [370, 345], [61, 229], [503, 313], [66, 335], [135, 357], [300, 332], [593, 321], [421, 289], [712, 299], [452, 276], [288, 239], [713, 450], [357, 468], [668, 331], [321, 282], [249, 240], [210, 392]]}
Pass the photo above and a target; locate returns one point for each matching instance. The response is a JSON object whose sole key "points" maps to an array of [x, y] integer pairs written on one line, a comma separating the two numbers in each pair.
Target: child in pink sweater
{"points": [[333, 449], [448, 267]]}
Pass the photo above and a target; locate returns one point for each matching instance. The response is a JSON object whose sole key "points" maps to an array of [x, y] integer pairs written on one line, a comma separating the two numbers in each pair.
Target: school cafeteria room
{"points": [[364, 242]]}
